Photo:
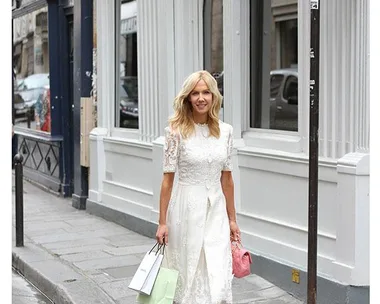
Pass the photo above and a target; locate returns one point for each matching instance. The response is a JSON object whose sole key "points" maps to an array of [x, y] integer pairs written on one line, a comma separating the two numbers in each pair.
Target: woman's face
{"points": [[201, 99]]}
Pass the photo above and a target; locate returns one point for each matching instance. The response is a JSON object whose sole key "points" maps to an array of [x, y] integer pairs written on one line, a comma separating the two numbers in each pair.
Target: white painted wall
{"points": [[271, 170]]}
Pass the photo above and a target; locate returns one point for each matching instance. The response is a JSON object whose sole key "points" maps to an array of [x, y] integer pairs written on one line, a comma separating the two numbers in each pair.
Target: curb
{"points": [[59, 282], [40, 281]]}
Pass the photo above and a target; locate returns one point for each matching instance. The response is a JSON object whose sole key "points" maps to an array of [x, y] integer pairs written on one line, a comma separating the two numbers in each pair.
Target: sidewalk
{"points": [[75, 257]]}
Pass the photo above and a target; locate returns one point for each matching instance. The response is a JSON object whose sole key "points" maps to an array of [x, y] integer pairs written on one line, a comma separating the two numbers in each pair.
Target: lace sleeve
{"points": [[230, 145], [170, 151]]}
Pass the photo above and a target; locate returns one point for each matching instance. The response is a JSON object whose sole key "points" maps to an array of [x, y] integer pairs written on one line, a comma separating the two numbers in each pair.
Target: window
{"points": [[31, 107], [213, 40], [274, 60], [127, 109]]}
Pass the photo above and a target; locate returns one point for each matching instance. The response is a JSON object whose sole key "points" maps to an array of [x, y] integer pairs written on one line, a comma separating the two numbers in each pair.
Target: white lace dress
{"points": [[199, 234]]}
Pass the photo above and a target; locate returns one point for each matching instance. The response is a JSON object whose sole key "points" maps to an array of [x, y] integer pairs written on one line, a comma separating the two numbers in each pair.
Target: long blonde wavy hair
{"points": [[182, 120]]}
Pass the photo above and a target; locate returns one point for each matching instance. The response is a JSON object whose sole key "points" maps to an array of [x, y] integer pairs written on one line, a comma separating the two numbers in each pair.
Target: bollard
{"points": [[28, 118], [18, 159]]}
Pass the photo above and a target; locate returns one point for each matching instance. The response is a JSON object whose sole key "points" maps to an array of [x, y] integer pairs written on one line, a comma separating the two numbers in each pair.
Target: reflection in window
{"points": [[127, 111], [213, 40], [274, 72], [31, 71]]}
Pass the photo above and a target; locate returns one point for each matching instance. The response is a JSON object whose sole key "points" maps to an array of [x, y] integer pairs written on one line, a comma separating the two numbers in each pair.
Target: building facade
{"points": [[259, 53], [53, 50], [42, 100]]}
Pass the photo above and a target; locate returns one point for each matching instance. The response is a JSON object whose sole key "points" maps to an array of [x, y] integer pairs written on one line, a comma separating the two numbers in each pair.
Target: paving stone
{"points": [[122, 272], [119, 289], [98, 226], [80, 249], [58, 238], [111, 262], [100, 278], [271, 292], [86, 221], [127, 300], [45, 226], [76, 243], [258, 282], [37, 233], [130, 240], [85, 256], [140, 249]]}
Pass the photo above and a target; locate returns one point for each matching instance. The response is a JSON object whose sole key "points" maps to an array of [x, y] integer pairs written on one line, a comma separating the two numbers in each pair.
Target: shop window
{"points": [[31, 107], [274, 61], [213, 40], [127, 107]]}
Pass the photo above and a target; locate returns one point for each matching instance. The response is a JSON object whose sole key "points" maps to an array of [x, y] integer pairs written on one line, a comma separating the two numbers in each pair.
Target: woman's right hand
{"points": [[162, 234]]}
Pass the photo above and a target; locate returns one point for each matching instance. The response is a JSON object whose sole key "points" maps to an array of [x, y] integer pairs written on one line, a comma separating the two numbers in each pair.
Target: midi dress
{"points": [[199, 234]]}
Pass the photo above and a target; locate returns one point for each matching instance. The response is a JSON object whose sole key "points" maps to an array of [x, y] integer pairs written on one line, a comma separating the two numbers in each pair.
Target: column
{"points": [[344, 86], [149, 82], [105, 18], [236, 66]]}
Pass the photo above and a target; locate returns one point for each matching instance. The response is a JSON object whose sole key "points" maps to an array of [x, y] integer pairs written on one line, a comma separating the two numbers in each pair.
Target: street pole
{"points": [[14, 138], [19, 189], [313, 154], [15, 5]]}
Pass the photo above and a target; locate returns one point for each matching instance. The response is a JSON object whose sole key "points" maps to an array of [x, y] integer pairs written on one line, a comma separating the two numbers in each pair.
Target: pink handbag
{"points": [[241, 260]]}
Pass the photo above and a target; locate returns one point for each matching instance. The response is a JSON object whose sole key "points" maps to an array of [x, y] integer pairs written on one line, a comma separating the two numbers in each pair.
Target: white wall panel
{"points": [[125, 166]]}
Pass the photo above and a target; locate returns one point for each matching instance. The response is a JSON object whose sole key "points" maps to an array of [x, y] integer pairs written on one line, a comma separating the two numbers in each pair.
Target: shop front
{"points": [[42, 65], [259, 54]]}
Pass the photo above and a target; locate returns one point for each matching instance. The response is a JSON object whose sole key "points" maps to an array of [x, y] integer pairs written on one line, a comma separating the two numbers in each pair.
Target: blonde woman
{"points": [[197, 220]]}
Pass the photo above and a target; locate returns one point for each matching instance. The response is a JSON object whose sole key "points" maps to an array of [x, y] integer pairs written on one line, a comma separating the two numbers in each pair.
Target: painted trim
{"points": [[127, 188], [128, 147]]}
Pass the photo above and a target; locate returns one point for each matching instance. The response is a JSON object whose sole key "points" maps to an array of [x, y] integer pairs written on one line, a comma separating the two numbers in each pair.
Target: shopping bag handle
{"points": [[158, 248]]}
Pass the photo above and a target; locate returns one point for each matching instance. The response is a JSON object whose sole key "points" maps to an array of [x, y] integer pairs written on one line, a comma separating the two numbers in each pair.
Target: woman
{"points": [[198, 221]]}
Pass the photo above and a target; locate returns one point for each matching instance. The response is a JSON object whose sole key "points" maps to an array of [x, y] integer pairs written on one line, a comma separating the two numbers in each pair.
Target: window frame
{"points": [[286, 141], [119, 131]]}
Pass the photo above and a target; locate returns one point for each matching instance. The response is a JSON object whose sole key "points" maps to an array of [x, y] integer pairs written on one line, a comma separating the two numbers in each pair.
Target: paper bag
{"points": [[146, 273]]}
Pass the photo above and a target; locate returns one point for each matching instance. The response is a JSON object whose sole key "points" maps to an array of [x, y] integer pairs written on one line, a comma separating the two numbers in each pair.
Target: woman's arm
{"points": [[170, 161], [228, 191], [166, 191], [162, 233]]}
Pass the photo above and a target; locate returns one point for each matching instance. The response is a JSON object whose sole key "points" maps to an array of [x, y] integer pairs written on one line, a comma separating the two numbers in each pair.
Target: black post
{"points": [[313, 154], [28, 118], [19, 201], [13, 82], [14, 138], [83, 46]]}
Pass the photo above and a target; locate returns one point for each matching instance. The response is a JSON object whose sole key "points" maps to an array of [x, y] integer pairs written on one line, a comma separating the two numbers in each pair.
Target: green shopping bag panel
{"points": [[163, 290]]}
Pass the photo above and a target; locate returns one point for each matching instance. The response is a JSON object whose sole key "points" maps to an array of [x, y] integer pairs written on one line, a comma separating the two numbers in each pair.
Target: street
{"points": [[24, 293]]}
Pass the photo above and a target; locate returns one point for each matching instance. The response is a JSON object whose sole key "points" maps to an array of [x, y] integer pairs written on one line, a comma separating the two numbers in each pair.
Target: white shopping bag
{"points": [[146, 274]]}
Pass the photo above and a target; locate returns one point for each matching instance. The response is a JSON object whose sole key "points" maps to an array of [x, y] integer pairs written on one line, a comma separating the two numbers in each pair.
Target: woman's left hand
{"points": [[234, 232]]}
